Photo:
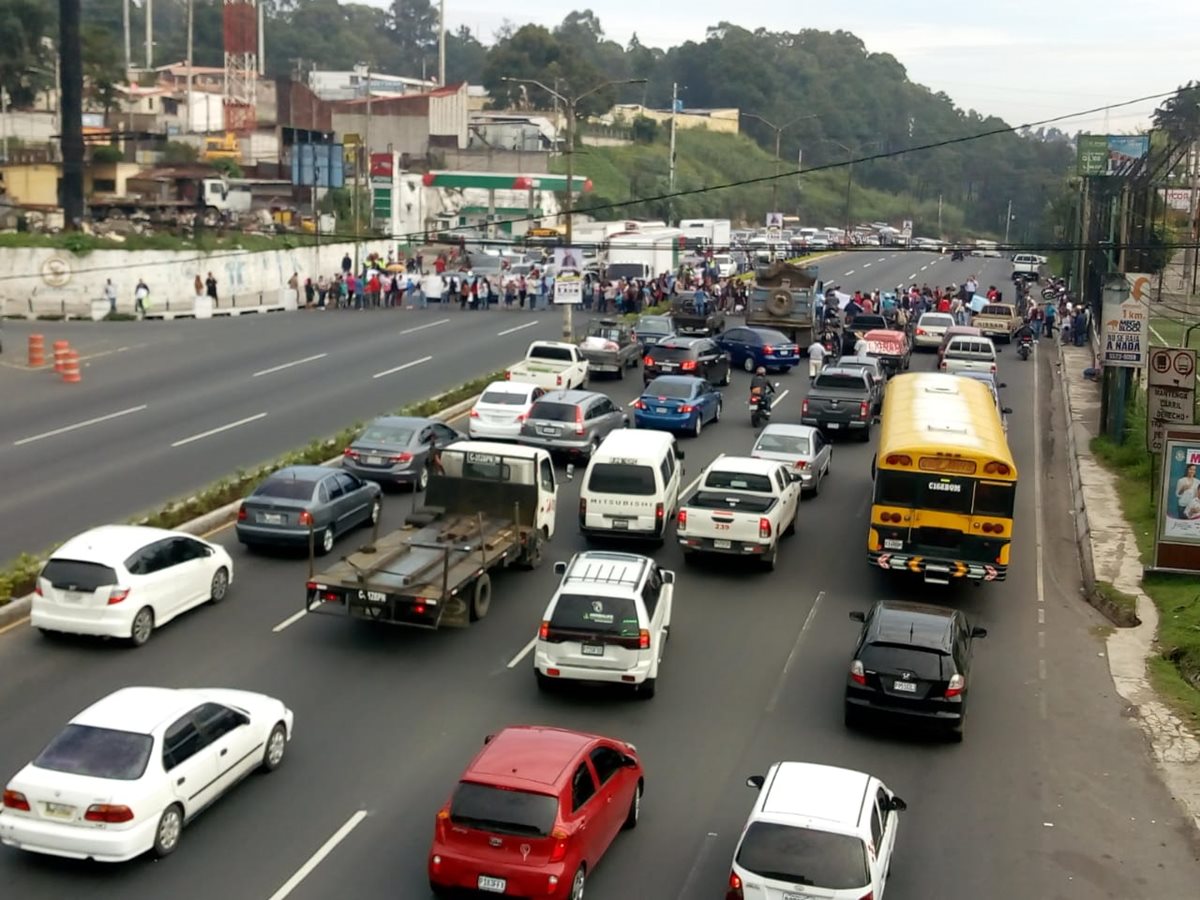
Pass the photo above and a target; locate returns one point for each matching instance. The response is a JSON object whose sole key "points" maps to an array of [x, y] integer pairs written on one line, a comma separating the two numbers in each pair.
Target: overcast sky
{"points": [[1019, 59]]}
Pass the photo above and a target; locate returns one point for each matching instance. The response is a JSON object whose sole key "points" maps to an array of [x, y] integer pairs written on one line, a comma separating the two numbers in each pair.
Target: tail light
{"points": [[16, 800], [521, 417], [869, 895], [764, 527], [659, 511], [768, 349], [735, 887], [857, 674], [579, 420], [681, 520], [862, 410], [920, 331], [559, 852], [474, 414], [687, 409], [582, 507], [957, 685], [640, 404], [648, 360], [804, 407], [116, 595], [558, 380], [350, 453], [37, 589], [801, 464], [643, 639], [443, 817], [104, 812], [305, 517], [242, 513], [400, 458], [993, 368], [508, 376], [544, 631], [688, 365], [942, 365], [993, 528]]}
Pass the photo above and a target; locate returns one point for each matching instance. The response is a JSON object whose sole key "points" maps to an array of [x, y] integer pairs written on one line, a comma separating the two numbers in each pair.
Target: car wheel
{"points": [[220, 585], [439, 890], [376, 509], [956, 733], [717, 414], [635, 809], [168, 832], [646, 689], [725, 381], [699, 426], [142, 627], [577, 884], [865, 435], [481, 597], [422, 481], [276, 748], [325, 544], [621, 372], [748, 364]]}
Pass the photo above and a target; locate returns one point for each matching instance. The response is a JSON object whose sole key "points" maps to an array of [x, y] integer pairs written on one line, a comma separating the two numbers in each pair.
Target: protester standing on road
{"points": [[110, 294], [816, 358], [210, 285], [141, 294]]}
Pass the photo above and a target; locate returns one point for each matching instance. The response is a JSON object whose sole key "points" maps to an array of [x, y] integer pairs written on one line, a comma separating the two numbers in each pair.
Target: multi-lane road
{"points": [[1050, 796]]}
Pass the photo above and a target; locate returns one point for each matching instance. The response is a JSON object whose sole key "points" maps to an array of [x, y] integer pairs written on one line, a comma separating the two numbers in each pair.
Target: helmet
{"points": [[761, 370]]}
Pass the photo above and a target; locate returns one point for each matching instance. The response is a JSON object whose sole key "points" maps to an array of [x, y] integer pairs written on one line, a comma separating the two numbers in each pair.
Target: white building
{"points": [[353, 84]]}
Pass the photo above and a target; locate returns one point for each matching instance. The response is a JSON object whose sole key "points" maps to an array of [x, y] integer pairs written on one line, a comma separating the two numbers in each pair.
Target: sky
{"points": [[1022, 60]]}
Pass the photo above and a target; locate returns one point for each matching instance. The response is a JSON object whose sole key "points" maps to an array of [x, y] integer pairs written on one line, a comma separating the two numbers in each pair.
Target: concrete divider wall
{"points": [[43, 281]]}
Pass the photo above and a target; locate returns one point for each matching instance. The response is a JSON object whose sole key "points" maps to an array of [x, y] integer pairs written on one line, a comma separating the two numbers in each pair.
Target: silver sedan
{"points": [[802, 447]]}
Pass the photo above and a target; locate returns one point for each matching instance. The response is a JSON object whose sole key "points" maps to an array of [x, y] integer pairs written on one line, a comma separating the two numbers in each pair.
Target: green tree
{"points": [[1179, 116], [465, 57], [414, 29], [645, 130], [25, 60], [103, 69], [179, 153]]}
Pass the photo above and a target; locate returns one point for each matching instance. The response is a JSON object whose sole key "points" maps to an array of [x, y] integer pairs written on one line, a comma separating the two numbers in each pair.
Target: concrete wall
{"points": [[54, 282], [496, 161], [400, 133], [31, 127]]}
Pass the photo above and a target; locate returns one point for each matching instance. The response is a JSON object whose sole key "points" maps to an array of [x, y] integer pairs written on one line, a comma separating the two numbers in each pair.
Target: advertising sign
{"points": [[774, 220], [1178, 199], [568, 289], [1171, 392], [1111, 154], [1126, 321], [568, 259], [1177, 538]]}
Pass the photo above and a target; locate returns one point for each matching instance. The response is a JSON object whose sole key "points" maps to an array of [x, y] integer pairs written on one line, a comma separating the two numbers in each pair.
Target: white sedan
{"points": [[129, 771], [501, 410], [123, 581]]}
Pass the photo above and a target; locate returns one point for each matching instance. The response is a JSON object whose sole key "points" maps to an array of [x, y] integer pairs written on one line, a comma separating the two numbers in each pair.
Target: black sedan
{"points": [[297, 500], [698, 356], [912, 661], [398, 450]]}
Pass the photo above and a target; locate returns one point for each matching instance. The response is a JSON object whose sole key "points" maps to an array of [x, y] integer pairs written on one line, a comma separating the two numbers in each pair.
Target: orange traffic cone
{"points": [[60, 354], [70, 370], [37, 350]]}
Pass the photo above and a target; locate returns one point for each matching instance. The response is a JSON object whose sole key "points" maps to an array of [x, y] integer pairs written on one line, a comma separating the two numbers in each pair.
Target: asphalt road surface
{"points": [[1051, 796]]}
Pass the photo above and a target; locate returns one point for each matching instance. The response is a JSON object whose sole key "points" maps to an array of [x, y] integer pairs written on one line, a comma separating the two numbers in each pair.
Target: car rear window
{"points": [[97, 753], [651, 325], [504, 398], [839, 382], [387, 435], [803, 856], [553, 412], [490, 808], [603, 615], [738, 481], [938, 320], [74, 575], [927, 664], [773, 337], [676, 390], [286, 489], [559, 353], [960, 348], [783, 443], [622, 478], [672, 354]]}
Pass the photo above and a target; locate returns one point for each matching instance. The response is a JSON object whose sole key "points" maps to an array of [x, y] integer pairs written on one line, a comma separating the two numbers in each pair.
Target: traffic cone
{"points": [[60, 354], [37, 350], [70, 370]]}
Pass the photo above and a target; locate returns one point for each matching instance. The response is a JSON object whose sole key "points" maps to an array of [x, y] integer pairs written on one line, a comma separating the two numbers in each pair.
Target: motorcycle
{"points": [[760, 408], [1024, 345], [957, 256]]}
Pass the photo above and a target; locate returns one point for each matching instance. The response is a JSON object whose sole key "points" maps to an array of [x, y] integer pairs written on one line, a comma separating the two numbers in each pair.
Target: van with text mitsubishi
{"points": [[631, 486]]}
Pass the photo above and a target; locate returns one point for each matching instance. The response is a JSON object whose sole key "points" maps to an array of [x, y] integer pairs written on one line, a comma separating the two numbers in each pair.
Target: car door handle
{"points": [[180, 781], [583, 824], [224, 751]]}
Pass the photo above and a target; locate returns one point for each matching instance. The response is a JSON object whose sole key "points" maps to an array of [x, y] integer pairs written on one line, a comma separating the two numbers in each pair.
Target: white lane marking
{"points": [[517, 328], [1041, 639], [77, 425], [1040, 525], [107, 353], [690, 886], [212, 431], [290, 620], [781, 396], [851, 272], [695, 481], [316, 859], [866, 265], [407, 365], [1041, 670], [923, 268], [423, 327], [812, 614], [1041, 615], [288, 365], [911, 277], [935, 262], [525, 651]]}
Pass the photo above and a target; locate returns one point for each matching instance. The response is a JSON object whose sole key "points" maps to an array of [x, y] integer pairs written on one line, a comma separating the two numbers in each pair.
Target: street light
{"points": [[850, 175], [779, 130], [570, 104]]}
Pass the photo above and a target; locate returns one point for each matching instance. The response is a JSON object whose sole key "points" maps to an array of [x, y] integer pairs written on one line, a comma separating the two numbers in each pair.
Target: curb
{"points": [[1083, 528]]}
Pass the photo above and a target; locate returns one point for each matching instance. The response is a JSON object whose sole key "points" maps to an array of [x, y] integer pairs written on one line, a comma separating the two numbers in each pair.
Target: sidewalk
{"points": [[1108, 552]]}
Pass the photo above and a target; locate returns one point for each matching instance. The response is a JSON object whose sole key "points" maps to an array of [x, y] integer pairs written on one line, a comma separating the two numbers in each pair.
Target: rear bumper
{"points": [[777, 362], [448, 869], [276, 537], [483, 431], [927, 341], [573, 444], [931, 565], [835, 424], [735, 548], [665, 423], [77, 842], [393, 475], [597, 526], [543, 662], [107, 621], [922, 710]]}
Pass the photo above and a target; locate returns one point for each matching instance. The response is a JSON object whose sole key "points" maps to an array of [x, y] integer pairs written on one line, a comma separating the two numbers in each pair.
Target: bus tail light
{"points": [[997, 468], [899, 459]]}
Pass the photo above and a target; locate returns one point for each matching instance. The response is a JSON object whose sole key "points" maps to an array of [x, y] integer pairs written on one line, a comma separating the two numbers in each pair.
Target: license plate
{"points": [[374, 460], [549, 431], [59, 810], [620, 523], [666, 367], [833, 425], [792, 895], [905, 687], [722, 545], [593, 649], [660, 409], [271, 518], [494, 885], [892, 544]]}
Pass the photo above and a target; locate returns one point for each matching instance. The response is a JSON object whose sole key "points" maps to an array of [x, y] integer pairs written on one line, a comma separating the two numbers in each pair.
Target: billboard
{"points": [[1111, 154], [568, 259], [318, 165], [1178, 199], [1170, 392], [568, 289], [1126, 311], [1177, 537]]}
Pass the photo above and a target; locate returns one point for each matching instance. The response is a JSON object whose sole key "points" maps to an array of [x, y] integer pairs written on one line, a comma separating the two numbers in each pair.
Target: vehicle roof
{"points": [[962, 329], [789, 429], [912, 624], [137, 709], [413, 421], [299, 473], [853, 369], [656, 316], [101, 544], [534, 757], [977, 338], [934, 312], [609, 571], [746, 464], [759, 329], [891, 333], [632, 441], [816, 792], [571, 395], [935, 410], [681, 341], [510, 387], [855, 362], [499, 449], [673, 379]]}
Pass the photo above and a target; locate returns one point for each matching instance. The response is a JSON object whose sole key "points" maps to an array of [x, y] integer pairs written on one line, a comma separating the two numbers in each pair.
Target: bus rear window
{"points": [[995, 499], [895, 488]]}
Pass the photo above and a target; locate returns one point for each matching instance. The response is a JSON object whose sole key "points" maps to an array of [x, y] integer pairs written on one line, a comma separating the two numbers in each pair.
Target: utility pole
{"points": [[128, 50], [849, 184], [939, 217], [674, 105], [70, 48], [779, 130], [1189, 258], [442, 45], [1007, 222], [1084, 236], [190, 31], [149, 34]]}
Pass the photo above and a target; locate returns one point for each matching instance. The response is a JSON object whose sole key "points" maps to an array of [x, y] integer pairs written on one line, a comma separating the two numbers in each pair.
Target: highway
{"points": [[1051, 795]]}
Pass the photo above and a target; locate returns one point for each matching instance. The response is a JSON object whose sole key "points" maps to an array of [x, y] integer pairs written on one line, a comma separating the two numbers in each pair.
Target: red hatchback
{"points": [[534, 812]]}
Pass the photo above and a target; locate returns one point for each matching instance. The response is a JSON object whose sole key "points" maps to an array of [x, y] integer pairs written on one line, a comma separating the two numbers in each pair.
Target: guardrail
{"points": [[187, 307]]}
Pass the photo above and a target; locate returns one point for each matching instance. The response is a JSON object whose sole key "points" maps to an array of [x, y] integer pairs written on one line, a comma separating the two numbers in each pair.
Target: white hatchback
{"points": [[607, 622], [501, 410], [816, 832], [123, 581], [126, 774]]}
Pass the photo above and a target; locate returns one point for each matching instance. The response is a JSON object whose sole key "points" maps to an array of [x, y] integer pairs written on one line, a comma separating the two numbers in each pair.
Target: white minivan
{"points": [[969, 353], [631, 486]]}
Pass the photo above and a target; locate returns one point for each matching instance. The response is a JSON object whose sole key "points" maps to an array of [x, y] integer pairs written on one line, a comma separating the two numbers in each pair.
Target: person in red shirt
{"points": [[943, 304], [992, 294]]}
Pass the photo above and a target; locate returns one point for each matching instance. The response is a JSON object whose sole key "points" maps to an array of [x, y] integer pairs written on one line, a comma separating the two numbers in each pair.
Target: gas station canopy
{"points": [[494, 181]]}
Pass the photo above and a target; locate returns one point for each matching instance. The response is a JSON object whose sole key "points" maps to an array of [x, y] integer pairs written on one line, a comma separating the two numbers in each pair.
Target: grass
{"points": [[19, 576], [205, 241], [1172, 333], [1175, 671], [1117, 597]]}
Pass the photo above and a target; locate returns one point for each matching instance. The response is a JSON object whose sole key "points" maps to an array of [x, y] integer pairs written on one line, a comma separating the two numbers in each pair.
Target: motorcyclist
{"points": [[761, 387], [1024, 333]]}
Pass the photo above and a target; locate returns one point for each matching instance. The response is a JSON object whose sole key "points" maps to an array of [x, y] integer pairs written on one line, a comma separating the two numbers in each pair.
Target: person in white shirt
{"points": [[860, 346], [816, 358]]}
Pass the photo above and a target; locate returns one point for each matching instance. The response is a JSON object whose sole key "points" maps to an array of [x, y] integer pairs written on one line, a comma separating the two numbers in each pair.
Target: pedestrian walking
{"points": [[141, 294], [816, 358], [110, 294]]}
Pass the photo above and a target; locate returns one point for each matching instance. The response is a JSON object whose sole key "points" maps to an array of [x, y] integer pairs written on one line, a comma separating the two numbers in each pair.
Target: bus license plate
{"points": [[892, 544], [493, 885]]}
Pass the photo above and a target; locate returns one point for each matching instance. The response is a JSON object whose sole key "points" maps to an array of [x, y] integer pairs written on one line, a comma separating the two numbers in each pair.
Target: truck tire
{"points": [[532, 557], [481, 597], [779, 304]]}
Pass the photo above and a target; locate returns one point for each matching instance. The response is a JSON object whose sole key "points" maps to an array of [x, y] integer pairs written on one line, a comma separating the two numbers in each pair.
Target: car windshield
{"points": [[286, 488], [654, 325], [621, 478], [675, 390], [838, 382], [97, 753], [504, 398], [553, 412], [836, 862], [563, 354], [797, 444], [74, 575], [604, 615], [923, 662], [490, 808], [387, 435]]}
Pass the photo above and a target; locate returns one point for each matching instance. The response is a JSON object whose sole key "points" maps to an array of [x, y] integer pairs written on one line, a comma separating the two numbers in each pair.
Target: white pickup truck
{"points": [[552, 365], [742, 507]]}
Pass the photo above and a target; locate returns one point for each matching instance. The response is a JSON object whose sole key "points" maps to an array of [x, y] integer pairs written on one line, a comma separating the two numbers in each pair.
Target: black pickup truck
{"points": [[689, 320], [840, 400]]}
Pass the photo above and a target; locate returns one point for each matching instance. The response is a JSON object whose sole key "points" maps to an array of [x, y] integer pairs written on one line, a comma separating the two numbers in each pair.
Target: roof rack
{"points": [[607, 571]]}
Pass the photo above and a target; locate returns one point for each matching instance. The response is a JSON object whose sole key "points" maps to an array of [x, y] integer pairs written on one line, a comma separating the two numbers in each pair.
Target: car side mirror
{"points": [[629, 762], [678, 453], [1007, 410], [1002, 385], [897, 805], [668, 577], [560, 568], [978, 632], [488, 738], [625, 418], [857, 616], [756, 782], [570, 471]]}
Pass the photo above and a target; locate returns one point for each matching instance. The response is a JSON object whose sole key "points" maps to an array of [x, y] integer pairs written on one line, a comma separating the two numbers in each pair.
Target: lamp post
{"points": [[850, 175], [779, 130], [570, 104]]}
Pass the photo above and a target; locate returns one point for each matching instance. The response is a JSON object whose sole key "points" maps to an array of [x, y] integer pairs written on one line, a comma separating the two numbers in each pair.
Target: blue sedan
{"points": [[754, 347], [677, 403]]}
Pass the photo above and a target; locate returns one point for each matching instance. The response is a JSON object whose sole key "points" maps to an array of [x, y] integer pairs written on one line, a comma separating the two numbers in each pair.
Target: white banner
{"points": [[568, 289]]}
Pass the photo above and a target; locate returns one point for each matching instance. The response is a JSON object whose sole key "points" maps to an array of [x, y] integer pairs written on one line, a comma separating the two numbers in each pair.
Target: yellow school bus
{"points": [[945, 482]]}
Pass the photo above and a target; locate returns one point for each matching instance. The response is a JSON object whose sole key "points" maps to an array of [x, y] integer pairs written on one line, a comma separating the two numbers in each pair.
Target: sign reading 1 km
{"points": [[1126, 319]]}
